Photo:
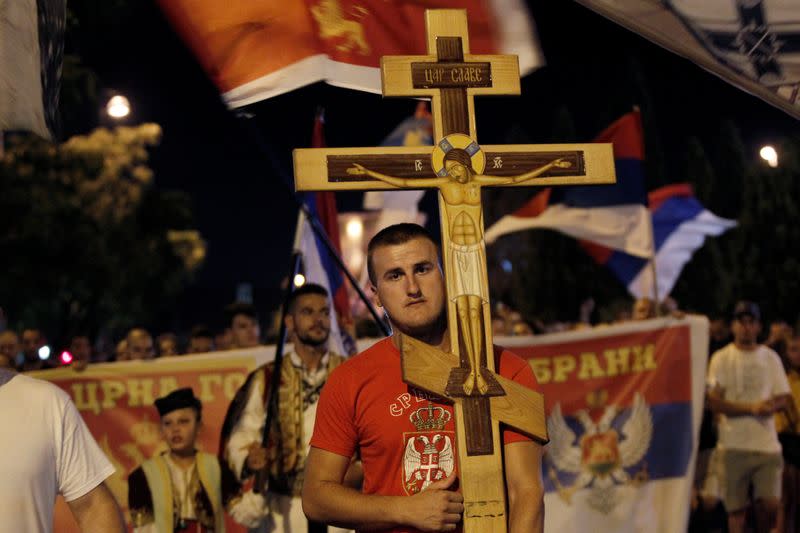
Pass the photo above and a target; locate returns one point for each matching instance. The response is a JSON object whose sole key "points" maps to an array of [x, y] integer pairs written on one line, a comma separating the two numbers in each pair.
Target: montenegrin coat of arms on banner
{"points": [[601, 457], [429, 455]]}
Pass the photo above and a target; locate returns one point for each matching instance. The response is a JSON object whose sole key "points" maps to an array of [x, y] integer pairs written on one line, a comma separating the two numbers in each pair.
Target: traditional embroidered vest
{"points": [[159, 481], [287, 454]]}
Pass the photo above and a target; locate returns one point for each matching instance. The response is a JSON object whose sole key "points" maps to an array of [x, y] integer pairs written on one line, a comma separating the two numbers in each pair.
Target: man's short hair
{"points": [[393, 235], [239, 308], [201, 331], [78, 334], [307, 288], [137, 332]]}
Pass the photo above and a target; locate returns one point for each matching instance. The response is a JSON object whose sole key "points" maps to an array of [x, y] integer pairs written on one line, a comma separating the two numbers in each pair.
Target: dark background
{"points": [[235, 169]]}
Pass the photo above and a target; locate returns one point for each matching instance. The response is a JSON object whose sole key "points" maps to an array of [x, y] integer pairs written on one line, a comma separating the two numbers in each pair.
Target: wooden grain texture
{"points": [[326, 168], [311, 166], [520, 407]]}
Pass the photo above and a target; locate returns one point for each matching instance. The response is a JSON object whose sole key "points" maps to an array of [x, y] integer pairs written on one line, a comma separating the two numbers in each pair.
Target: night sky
{"points": [[234, 168]]}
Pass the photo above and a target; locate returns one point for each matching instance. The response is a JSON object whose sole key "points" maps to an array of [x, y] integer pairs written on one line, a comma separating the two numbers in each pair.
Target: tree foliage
{"points": [[757, 259], [88, 242]]}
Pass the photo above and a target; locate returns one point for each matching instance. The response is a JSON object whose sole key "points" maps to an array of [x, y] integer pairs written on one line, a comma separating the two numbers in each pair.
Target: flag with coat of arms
{"points": [[624, 405], [257, 50]]}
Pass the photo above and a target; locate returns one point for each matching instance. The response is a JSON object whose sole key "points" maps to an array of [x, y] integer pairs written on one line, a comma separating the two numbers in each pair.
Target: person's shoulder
{"points": [[39, 388], [266, 367], [366, 358], [771, 354], [726, 351], [506, 357], [508, 363], [259, 373], [366, 361], [208, 459]]}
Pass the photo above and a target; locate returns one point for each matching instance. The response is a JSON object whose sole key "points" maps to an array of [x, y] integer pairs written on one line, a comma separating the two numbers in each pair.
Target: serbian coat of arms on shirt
{"points": [[429, 455]]}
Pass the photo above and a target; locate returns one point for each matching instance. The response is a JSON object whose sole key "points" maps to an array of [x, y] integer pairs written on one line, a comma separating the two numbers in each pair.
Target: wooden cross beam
{"points": [[459, 167]]}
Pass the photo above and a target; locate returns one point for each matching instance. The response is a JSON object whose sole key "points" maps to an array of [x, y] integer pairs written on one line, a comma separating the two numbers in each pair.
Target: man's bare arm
{"points": [[720, 405], [327, 499], [97, 511], [523, 470]]}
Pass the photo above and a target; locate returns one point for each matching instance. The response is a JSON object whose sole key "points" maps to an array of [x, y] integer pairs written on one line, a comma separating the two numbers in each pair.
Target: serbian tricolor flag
{"points": [[613, 216], [680, 227], [621, 226], [254, 50], [319, 267], [624, 405]]}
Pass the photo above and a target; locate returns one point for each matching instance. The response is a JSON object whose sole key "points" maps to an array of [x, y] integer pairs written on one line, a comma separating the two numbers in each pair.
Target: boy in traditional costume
{"points": [[177, 491]]}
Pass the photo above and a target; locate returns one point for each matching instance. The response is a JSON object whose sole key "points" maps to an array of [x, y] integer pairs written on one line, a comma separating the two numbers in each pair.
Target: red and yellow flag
{"points": [[254, 50]]}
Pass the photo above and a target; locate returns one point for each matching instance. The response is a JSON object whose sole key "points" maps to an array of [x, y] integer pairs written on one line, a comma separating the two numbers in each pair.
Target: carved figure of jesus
{"points": [[461, 190]]}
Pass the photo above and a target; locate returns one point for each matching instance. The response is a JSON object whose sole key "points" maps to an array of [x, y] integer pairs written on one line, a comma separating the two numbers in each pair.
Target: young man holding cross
{"points": [[460, 186], [406, 437]]}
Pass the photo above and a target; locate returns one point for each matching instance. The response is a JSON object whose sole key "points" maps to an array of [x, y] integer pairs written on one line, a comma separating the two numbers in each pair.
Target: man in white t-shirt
{"points": [[747, 385], [45, 450]]}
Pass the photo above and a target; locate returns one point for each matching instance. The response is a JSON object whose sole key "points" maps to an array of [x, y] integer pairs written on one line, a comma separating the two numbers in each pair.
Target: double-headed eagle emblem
{"points": [[599, 457], [429, 454]]}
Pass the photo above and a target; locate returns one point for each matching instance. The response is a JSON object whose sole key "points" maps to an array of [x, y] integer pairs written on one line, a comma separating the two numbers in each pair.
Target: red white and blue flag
{"points": [[613, 216], [624, 405], [680, 227], [319, 266], [615, 224]]}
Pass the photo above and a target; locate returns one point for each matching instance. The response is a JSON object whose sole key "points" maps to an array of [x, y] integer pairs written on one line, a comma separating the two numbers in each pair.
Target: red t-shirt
{"points": [[365, 405]]}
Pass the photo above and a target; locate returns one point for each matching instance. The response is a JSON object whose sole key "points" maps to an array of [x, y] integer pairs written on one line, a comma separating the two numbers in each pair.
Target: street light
{"points": [[354, 228], [118, 107], [769, 155]]}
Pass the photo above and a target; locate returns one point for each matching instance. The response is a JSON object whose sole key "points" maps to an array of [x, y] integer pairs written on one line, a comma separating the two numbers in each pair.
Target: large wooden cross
{"points": [[459, 167]]}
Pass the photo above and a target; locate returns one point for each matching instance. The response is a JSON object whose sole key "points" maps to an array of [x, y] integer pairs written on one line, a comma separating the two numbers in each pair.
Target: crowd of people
{"points": [[315, 448], [241, 328], [23, 351]]}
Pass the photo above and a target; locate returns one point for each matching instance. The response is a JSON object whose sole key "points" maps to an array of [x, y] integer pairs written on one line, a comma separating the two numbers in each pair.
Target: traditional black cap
{"points": [[178, 399], [745, 307]]}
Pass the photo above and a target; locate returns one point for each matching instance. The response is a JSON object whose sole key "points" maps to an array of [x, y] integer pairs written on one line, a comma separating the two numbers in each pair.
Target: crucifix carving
{"points": [[459, 167]]}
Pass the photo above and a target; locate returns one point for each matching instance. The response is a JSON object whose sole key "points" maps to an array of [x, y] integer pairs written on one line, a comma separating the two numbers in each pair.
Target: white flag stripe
{"points": [[621, 227], [676, 251], [315, 273]]}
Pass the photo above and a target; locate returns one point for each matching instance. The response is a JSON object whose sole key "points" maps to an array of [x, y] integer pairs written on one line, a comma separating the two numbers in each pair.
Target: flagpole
{"points": [[316, 227], [320, 232], [275, 378], [652, 260]]}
